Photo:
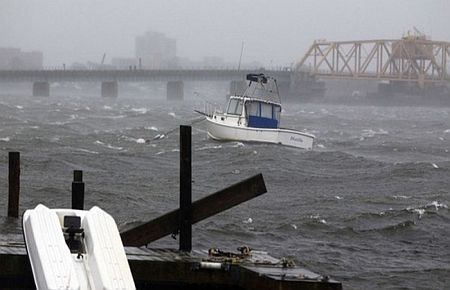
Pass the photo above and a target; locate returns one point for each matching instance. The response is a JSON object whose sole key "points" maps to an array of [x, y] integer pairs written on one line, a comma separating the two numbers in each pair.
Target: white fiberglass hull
{"points": [[288, 137], [103, 264]]}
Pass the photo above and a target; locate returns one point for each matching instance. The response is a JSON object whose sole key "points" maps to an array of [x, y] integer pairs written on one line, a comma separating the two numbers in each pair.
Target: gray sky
{"points": [[276, 32]]}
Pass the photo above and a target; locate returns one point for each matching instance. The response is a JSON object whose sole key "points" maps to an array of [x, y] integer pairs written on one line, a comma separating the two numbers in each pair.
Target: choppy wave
{"points": [[87, 151], [209, 147], [139, 110], [98, 142], [348, 208], [153, 128], [369, 133]]}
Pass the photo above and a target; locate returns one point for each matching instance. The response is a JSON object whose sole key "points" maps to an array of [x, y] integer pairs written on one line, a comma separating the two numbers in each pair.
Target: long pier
{"points": [[135, 75], [288, 80]]}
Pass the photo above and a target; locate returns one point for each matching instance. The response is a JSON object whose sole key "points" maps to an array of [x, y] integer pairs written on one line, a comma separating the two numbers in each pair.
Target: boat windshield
{"points": [[235, 107], [262, 114]]}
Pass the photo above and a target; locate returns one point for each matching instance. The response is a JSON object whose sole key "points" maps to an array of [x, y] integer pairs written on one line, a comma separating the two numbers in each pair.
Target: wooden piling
{"points": [[14, 184], [185, 189], [78, 190]]}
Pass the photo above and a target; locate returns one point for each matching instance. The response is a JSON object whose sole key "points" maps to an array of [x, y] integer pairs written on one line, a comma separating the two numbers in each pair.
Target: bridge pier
{"points": [[175, 90], [110, 89], [41, 89], [237, 87]]}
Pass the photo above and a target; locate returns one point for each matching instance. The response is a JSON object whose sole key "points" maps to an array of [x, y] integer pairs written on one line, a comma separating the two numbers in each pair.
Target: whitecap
{"points": [[140, 141], [98, 142], [294, 226], [172, 114], [159, 136], [209, 147], [19, 107], [175, 150], [318, 219], [87, 151], [153, 128], [369, 133], [447, 131], [337, 197], [255, 152], [114, 147], [401, 197], [5, 139], [236, 171], [248, 221], [434, 165], [107, 107], [160, 152], [139, 110], [320, 146], [58, 123], [131, 139], [419, 211], [238, 144], [437, 205]]}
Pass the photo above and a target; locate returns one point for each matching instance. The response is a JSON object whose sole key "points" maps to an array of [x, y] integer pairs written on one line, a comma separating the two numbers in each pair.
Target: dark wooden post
{"points": [[14, 184], [185, 189], [77, 190]]}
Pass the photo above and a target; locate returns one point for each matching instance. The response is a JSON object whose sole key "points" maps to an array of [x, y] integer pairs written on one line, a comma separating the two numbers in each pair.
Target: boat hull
{"points": [[288, 137], [101, 265]]}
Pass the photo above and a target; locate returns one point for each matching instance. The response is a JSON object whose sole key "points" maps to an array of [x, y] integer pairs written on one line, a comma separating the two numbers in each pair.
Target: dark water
{"points": [[368, 206]]}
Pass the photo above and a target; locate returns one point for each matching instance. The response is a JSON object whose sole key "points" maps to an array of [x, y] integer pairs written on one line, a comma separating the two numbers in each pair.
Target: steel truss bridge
{"points": [[412, 59]]}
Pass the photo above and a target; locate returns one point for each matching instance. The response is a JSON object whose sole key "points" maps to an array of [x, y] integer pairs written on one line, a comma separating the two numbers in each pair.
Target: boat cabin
{"points": [[257, 113]]}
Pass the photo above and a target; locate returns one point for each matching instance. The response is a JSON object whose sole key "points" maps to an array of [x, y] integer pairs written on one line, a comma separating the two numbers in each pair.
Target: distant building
{"points": [[124, 62], [15, 59], [156, 51]]}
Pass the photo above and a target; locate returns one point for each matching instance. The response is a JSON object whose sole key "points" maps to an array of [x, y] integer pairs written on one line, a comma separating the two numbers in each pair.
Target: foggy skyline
{"points": [[274, 32]]}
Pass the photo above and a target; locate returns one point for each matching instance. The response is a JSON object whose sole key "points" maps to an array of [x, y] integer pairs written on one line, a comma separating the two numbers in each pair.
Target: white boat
{"points": [[75, 249], [255, 116]]}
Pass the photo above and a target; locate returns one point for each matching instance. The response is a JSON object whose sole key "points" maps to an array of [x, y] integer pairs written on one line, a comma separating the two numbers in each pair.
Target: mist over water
{"points": [[368, 206]]}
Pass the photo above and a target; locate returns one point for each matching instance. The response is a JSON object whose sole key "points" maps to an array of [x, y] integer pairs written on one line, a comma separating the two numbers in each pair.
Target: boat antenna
{"points": [[278, 92], [240, 57]]}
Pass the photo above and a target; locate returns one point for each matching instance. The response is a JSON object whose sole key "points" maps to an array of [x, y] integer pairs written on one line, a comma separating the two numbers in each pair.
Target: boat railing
{"points": [[211, 108]]}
